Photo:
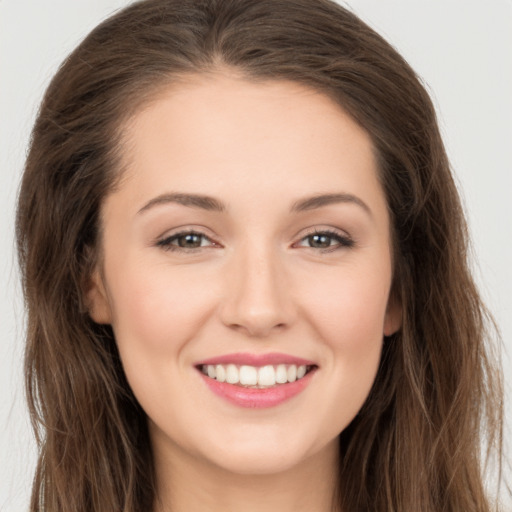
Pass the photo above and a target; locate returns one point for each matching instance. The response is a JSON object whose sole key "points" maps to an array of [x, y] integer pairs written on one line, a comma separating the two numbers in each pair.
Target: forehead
{"points": [[214, 133]]}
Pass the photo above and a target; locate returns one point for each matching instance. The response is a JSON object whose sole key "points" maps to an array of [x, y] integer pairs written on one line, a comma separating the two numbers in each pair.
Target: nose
{"points": [[257, 298]]}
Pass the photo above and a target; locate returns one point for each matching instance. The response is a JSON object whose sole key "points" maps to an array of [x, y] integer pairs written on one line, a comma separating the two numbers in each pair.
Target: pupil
{"points": [[319, 241], [190, 240]]}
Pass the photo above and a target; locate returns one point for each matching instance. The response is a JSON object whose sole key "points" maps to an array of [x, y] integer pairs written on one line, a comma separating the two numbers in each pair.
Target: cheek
{"points": [[349, 318], [157, 309], [156, 312], [349, 310]]}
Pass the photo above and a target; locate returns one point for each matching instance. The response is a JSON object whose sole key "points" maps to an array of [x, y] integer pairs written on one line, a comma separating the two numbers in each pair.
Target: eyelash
{"points": [[342, 241], [166, 243]]}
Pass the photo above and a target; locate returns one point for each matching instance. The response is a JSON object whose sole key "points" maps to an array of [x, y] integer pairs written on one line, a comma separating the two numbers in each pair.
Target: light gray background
{"points": [[461, 48]]}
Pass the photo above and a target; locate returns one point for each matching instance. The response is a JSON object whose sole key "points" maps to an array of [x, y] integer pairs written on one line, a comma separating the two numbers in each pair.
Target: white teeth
{"points": [[267, 376], [281, 374], [232, 375], [212, 371], [248, 376], [252, 376], [221, 373]]}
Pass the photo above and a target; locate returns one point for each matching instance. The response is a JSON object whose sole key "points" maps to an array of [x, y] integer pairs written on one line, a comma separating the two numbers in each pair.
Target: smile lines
{"points": [[256, 377]]}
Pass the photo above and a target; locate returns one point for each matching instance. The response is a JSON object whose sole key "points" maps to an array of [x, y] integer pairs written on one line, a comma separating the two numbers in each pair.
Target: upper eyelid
{"points": [[173, 236], [343, 237], [185, 230], [314, 230], [306, 232]]}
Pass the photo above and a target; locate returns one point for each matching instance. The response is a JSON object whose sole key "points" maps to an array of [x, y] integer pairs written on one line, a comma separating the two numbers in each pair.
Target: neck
{"points": [[185, 483]]}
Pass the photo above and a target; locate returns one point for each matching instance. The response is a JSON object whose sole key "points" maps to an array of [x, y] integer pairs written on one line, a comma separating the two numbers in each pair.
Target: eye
{"points": [[329, 240], [185, 240]]}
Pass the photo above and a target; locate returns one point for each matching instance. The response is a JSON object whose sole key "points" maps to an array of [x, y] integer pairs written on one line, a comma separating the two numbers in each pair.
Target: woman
{"points": [[244, 264]]}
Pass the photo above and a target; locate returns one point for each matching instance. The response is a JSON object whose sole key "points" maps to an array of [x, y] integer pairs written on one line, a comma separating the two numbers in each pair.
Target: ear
{"points": [[97, 300], [393, 317]]}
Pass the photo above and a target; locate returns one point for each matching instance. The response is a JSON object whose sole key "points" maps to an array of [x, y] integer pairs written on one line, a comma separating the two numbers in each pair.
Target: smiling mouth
{"points": [[256, 377]]}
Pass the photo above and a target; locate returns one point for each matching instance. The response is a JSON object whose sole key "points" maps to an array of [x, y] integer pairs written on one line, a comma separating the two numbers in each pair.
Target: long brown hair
{"points": [[416, 444]]}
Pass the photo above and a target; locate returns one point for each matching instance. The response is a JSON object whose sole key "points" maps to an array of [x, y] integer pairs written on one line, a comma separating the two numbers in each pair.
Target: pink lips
{"points": [[251, 397], [256, 359]]}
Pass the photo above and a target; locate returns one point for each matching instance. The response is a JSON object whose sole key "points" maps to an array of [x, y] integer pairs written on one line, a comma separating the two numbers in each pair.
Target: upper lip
{"points": [[243, 358]]}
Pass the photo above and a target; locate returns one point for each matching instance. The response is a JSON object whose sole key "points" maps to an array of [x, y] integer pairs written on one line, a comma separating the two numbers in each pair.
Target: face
{"points": [[246, 271]]}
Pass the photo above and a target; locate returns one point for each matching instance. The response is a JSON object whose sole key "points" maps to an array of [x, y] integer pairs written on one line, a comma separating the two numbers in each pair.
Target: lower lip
{"points": [[253, 398]]}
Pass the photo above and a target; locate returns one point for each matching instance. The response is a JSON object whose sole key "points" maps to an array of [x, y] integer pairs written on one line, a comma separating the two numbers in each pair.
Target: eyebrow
{"points": [[211, 204], [191, 200], [317, 201]]}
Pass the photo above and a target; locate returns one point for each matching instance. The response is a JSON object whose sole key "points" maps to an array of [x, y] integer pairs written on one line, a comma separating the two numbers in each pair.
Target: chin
{"points": [[258, 464], [265, 455]]}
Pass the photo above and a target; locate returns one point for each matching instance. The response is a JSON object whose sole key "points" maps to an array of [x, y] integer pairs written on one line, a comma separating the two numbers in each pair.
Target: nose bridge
{"points": [[256, 300]]}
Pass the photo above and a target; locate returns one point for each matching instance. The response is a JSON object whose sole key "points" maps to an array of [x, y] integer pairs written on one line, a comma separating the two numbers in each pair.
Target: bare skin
{"points": [[290, 253], [303, 488]]}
